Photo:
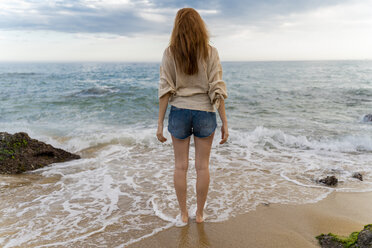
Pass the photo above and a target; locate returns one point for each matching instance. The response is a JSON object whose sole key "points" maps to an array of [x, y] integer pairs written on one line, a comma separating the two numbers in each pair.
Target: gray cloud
{"points": [[80, 16], [142, 16], [262, 14]]}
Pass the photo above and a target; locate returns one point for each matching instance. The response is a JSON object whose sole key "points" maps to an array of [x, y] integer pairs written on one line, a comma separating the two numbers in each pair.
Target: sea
{"points": [[290, 123]]}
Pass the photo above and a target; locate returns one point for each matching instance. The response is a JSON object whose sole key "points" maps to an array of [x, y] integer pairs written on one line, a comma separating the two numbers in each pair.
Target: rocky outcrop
{"points": [[362, 239], [333, 181], [329, 180], [357, 175], [20, 153], [365, 237]]}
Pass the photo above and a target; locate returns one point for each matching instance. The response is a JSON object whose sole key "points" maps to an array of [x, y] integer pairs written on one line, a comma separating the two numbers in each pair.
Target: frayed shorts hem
{"points": [[199, 136]]}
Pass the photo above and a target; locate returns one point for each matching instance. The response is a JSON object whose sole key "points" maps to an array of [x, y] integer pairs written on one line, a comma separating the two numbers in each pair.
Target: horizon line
{"points": [[158, 61]]}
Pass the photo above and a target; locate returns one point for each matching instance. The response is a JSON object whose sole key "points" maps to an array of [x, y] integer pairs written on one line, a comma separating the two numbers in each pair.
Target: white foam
{"points": [[178, 221], [302, 184], [280, 139], [159, 213], [4, 184]]}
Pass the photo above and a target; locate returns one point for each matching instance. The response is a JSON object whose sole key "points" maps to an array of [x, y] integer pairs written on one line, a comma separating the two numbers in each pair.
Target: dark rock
{"points": [[20, 153], [367, 118], [358, 176], [365, 237], [329, 180], [328, 241], [362, 239]]}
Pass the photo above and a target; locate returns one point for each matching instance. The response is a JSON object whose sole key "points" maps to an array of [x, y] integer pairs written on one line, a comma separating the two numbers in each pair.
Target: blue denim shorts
{"points": [[184, 122]]}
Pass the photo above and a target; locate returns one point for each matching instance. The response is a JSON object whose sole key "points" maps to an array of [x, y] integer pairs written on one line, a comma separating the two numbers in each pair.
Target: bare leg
{"points": [[181, 157], [202, 154]]}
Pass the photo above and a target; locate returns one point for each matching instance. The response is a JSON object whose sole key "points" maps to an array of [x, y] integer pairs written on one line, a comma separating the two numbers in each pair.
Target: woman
{"points": [[191, 81]]}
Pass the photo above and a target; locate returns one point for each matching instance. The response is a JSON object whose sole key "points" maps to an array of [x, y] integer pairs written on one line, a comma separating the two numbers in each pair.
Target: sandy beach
{"points": [[274, 225]]}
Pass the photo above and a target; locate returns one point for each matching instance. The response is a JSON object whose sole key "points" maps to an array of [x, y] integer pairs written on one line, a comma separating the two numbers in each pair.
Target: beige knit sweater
{"points": [[201, 91]]}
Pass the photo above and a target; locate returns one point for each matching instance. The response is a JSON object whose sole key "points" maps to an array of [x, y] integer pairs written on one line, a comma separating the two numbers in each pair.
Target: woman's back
{"points": [[195, 91]]}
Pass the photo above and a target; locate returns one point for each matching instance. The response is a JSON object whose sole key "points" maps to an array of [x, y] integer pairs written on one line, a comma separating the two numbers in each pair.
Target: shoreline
{"points": [[274, 225]]}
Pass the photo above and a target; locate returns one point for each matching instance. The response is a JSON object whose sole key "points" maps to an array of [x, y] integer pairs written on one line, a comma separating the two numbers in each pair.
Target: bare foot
{"points": [[185, 217], [199, 218]]}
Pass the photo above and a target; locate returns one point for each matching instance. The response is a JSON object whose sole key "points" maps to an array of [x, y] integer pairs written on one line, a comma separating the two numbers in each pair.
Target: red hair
{"points": [[189, 40]]}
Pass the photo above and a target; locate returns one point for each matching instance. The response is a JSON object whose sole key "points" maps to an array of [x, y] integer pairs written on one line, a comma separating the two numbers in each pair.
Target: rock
{"points": [[328, 241], [362, 239], [365, 237], [367, 118], [20, 153], [329, 180], [358, 176]]}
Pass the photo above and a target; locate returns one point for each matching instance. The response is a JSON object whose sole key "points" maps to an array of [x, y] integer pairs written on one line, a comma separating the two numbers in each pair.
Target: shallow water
{"points": [[291, 123]]}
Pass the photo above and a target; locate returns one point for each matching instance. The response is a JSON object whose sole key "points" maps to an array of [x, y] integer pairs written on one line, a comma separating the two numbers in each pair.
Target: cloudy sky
{"points": [[131, 30]]}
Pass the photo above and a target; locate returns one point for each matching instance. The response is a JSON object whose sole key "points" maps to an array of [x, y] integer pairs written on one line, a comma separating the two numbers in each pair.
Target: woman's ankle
{"points": [[199, 217]]}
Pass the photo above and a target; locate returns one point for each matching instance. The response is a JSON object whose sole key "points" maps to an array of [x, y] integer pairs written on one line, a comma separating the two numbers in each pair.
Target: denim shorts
{"points": [[184, 122]]}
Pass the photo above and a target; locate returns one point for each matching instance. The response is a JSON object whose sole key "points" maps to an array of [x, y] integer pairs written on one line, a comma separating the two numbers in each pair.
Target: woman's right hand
{"points": [[159, 134], [163, 103], [224, 133], [224, 129]]}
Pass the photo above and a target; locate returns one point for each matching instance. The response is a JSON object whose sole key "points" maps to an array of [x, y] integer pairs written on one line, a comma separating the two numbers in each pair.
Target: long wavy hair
{"points": [[189, 40]]}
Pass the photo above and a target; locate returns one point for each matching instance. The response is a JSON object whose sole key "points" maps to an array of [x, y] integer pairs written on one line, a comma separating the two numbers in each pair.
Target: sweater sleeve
{"points": [[217, 87], [167, 76]]}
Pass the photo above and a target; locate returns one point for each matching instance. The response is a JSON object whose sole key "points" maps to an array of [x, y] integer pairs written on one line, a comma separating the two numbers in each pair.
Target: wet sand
{"points": [[275, 225]]}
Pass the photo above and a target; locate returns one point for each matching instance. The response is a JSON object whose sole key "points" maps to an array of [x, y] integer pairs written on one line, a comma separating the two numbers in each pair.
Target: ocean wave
{"points": [[360, 92], [14, 74], [276, 138], [98, 90]]}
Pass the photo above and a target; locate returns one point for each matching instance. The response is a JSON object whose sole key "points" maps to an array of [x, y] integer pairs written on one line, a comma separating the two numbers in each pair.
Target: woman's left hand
{"points": [[159, 133]]}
